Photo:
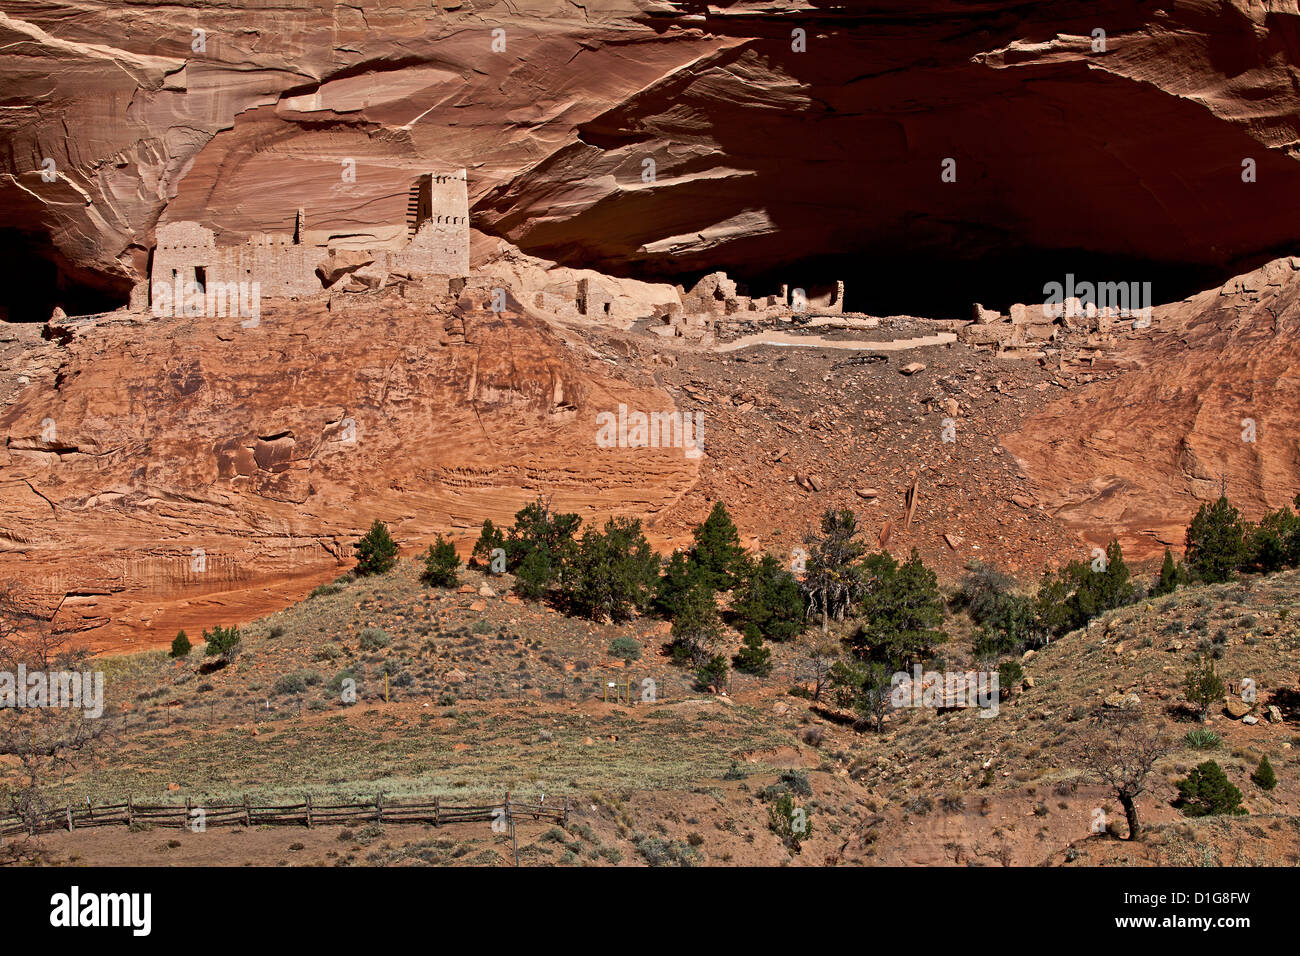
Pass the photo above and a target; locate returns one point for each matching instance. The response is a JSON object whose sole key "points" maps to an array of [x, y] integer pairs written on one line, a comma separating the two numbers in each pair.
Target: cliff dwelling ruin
{"points": [[187, 257]]}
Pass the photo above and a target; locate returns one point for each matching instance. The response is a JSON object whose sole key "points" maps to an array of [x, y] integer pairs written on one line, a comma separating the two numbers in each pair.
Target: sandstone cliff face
{"points": [[149, 464], [763, 156], [1208, 402]]}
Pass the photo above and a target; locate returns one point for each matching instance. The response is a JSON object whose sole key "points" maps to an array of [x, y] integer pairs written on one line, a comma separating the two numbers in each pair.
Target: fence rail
{"points": [[292, 814]]}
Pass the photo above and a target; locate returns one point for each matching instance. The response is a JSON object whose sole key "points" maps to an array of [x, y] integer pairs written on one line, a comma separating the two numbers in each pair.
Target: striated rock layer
{"points": [[764, 155], [150, 463], [1207, 402]]}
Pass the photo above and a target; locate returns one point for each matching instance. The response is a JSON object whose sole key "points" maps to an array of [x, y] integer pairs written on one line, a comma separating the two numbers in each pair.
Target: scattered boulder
{"points": [[1235, 709]]}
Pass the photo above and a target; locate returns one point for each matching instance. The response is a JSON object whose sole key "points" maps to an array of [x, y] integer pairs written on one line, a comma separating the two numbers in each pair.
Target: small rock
{"points": [[911, 368], [1250, 719], [485, 591]]}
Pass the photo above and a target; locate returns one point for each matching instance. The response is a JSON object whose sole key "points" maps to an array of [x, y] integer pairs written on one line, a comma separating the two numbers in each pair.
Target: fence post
{"points": [[379, 808], [69, 817], [435, 811], [248, 812], [309, 811], [130, 812], [566, 811], [188, 812]]}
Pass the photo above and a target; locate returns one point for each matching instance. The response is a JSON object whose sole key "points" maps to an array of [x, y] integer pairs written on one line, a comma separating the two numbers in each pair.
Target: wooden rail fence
{"points": [[305, 814]]}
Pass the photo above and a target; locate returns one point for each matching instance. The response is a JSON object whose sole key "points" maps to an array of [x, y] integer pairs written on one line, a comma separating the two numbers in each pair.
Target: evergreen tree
{"points": [[833, 582], [902, 613], [753, 657], [1203, 686], [1207, 791], [1264, 777], [534, 575], [223, 642], [696, 628], [180, 645], [864, 686], [613, 572], [376, 551], [1274, 543], [490, 539], [538, 547], [712, 673], [680, 574], [441, 564], [769, 598], [1098, 591], [717, 549], [1216, 542], [1172, 576]]}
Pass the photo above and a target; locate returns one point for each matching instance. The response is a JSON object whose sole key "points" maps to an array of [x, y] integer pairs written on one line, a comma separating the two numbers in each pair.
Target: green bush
{"points": [[1264, 777], [441, 564], [902, 610], [611, 573], [1172, 576], [624, 649], [1207, 791], [712, 673], [1203, 686], [1216, 542], [180, 645], [537, 547], [490, 539], [376, 551], [223, 642], [1010, 675], [769, 598], [680, 575], [789, 822], [696, 628], [372, 639], [753, 657]]}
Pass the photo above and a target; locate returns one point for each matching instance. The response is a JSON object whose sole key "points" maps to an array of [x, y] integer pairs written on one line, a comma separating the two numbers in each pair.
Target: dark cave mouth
{"points": [[38, 280]]}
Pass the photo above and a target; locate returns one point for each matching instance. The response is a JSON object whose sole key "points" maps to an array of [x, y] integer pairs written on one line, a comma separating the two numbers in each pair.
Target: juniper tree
{"points": [[1172, 576], [717, 551], [441, 564], [833, 583], [490, 539], [376, 551], [612, 572], [769, 598], [696, 628], [1207, 791], [1203, 686], [902, 612], [1216, 542], [1264, 777], [753, 657]]}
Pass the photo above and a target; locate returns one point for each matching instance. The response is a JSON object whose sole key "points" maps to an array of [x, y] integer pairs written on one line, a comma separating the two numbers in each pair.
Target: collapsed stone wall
{"points": [[717, 296], [1031, 327]]}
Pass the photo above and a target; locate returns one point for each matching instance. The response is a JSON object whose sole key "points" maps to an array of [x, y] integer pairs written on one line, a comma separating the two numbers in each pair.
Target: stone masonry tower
{"points": [[440, 223]]}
